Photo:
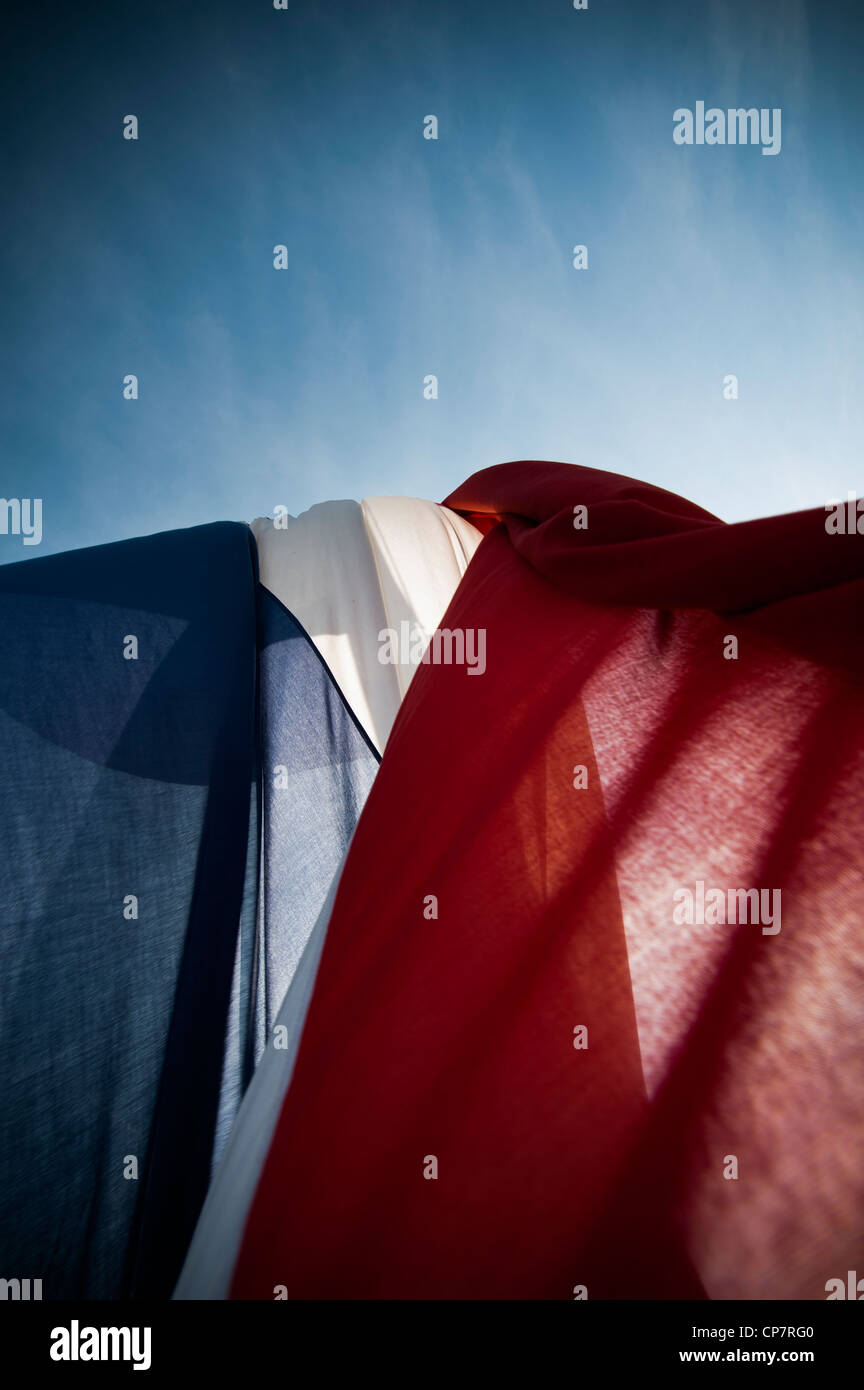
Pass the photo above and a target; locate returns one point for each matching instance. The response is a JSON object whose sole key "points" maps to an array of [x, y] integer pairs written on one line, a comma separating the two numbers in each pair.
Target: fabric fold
{"points": [[554, 1078], [127, 730], [348, 571]]}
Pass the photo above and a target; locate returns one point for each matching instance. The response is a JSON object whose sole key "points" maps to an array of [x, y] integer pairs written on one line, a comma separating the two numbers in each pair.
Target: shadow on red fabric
{"points": [[587, 1018]]}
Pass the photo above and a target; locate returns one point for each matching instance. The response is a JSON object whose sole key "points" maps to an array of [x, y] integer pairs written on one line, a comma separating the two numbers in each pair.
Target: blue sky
{"points": [[409, 256]]}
